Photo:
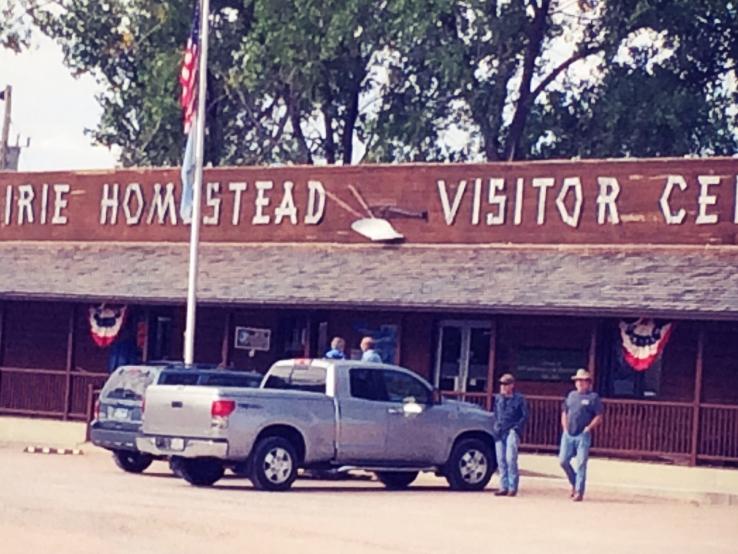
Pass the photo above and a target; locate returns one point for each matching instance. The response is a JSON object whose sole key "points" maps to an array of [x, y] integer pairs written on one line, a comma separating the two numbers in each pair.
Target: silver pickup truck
{"points": [[321, 414]]}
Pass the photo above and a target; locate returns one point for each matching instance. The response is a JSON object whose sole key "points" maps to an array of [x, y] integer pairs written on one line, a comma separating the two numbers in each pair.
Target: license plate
{"points": [[121, 413], [176, 444]]}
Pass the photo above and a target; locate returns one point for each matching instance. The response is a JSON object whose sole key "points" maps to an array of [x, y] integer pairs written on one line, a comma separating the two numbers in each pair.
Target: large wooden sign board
{"points": [[665, 201]]}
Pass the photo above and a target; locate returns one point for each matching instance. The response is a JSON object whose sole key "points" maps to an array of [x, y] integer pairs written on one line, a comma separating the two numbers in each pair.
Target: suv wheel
{"points": [[132, 461], [201, 472], [470, 466], [397, 480], [274, 466]]}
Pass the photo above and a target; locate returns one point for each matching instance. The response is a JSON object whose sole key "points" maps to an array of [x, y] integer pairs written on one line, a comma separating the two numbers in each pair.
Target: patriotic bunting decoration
{"points": [[105, 323], [643, 341]]}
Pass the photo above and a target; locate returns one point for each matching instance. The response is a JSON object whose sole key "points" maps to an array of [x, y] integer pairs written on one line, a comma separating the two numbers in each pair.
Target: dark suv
{"points": [[118, 412]]}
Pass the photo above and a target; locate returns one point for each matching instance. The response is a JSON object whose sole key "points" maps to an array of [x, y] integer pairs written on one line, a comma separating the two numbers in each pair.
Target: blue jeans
{"points": [[507, 460], [577, 446]]}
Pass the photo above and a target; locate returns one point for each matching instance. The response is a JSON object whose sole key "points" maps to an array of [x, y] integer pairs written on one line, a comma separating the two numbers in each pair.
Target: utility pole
{"points": [[7, 96]]}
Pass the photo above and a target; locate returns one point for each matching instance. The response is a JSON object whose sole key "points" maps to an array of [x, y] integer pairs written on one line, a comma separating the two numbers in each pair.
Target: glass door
{"points": [[462, 357]]}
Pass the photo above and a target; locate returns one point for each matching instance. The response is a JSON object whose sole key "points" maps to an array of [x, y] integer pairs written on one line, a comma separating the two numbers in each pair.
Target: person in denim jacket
{"points": [[511, 413], [581, 412]]}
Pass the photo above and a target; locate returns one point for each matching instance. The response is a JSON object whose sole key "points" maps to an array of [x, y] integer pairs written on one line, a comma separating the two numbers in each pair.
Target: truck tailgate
{"points": [[180, 410]]}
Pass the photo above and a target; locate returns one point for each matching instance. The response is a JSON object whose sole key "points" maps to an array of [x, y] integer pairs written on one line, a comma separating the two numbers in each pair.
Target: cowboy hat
{"points": [[582, 375]]}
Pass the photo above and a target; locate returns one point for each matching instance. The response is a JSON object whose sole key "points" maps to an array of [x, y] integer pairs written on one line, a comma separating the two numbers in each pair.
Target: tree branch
{"points": [[533, 50], [560, 68]]}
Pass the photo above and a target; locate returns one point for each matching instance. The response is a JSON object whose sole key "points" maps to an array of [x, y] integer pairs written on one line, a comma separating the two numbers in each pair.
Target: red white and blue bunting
{"points": [[105, 323], [644, 340]]}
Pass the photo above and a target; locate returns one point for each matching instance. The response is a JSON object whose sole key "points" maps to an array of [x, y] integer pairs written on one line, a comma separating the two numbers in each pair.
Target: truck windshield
{"points": [[297, 377]]}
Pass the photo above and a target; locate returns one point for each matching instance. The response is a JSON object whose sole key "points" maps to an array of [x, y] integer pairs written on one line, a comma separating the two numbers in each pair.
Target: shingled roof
{"points": [[689, 282]]}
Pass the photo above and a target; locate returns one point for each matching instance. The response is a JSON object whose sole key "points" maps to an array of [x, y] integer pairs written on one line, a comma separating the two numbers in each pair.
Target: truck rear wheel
{"points": [[470, 466], [397, 480], [132, 461], [274, 464], [201, 472]]}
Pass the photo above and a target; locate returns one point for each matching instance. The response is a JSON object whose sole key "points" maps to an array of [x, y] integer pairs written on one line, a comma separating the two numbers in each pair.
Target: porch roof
{"points": [[667, 281]]}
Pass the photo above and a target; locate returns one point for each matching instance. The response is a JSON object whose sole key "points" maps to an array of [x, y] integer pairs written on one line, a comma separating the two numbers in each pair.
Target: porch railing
{"points": [[630, 427], [718, 435], [636, 427], [478, 398], [47, 392]]}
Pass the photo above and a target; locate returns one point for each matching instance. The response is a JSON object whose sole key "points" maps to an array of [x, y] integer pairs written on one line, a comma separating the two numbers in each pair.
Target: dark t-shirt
{"points": [[581, 409]]}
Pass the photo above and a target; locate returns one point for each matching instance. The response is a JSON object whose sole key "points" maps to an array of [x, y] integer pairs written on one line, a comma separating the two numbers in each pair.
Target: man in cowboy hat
{"points": [[580, 414], [511, 413]]}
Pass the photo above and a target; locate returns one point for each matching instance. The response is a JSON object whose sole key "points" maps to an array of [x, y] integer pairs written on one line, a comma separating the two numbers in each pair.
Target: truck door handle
{"points": [[176, 404], [395, 411]]}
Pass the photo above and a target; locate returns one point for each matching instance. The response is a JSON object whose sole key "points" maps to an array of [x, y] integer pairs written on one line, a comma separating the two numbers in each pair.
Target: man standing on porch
{"points": [[511, 413], [580, 414]]}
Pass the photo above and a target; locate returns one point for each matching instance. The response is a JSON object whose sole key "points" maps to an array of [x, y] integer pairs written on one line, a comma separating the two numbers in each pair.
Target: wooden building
{"points": [[532, 268]]}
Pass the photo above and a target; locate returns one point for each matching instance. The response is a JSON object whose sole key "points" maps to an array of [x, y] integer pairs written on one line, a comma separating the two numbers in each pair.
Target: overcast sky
{"points": [[52, 108]]}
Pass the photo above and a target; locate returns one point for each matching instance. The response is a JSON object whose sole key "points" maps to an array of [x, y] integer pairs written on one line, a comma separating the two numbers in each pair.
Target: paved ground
{"points": [[81, 504]]}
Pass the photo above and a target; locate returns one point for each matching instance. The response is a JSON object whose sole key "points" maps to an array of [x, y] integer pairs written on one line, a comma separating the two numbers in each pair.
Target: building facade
{"points": [[460, 272]]}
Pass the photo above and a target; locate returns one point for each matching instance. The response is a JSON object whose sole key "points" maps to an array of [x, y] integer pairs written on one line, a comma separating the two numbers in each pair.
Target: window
{"points": [[297, 377], [128, 383], [231, 380], [401, 387], [387, 386], [178, 378], [366, 384]]}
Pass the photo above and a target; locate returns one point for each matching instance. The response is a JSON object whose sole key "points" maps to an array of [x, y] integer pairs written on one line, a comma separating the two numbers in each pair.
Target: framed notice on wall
{"points": [[549, 364], [252, 338]]}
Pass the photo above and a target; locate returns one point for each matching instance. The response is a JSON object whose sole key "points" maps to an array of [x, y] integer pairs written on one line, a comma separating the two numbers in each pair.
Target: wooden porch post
{"points": [[225, 349], [491, 365], [70, 362], [697, 396], [145, 347], [308, 336], [592, 354], [2, 332]]}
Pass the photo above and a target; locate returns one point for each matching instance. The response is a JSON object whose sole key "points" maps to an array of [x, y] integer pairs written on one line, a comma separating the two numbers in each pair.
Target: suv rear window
{"points": [[230, 380], [222, 378], [178, 378], [129, 383], [297, 377]]}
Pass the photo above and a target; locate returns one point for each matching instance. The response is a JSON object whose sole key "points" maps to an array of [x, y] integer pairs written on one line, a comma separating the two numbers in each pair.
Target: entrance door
{"points": [[462, 358]]}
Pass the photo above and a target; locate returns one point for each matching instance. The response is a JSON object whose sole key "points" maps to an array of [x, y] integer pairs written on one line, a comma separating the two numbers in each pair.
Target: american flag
{"points": [[188, 75], [188, 78]]}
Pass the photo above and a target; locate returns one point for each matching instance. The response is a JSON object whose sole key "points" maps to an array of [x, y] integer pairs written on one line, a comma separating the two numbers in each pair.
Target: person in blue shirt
{"points": [[511, 413], [337, 351], [369, 354], [581, 412]]}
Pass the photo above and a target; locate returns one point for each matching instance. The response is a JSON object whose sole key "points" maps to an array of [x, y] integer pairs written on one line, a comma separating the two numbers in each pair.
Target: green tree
{"points": [[16, 23], [336, 81]]}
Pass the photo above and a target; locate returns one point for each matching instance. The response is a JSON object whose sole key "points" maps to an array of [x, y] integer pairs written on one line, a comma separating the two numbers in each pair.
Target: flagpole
{"points": [[189, 346]]}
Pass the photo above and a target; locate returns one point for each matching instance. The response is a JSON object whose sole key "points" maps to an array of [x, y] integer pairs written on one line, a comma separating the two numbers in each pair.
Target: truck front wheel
{"points": [[274, 466], [201, 472], [397, 480], [470, 466]]}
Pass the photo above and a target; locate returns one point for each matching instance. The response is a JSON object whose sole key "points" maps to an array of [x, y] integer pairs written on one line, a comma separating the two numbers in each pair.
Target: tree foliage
{"points": [[339, 81]]}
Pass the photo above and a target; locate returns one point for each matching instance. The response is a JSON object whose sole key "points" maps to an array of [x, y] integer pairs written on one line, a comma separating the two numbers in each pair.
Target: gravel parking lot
{"points": [[80, 504]]}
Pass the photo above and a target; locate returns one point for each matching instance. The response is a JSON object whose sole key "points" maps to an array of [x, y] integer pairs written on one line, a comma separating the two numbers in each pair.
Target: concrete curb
{"points": [[49, 450]]}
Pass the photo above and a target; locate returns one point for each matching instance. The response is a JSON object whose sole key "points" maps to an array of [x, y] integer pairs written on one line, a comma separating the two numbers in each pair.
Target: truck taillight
{"points": [[222, 408]]}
